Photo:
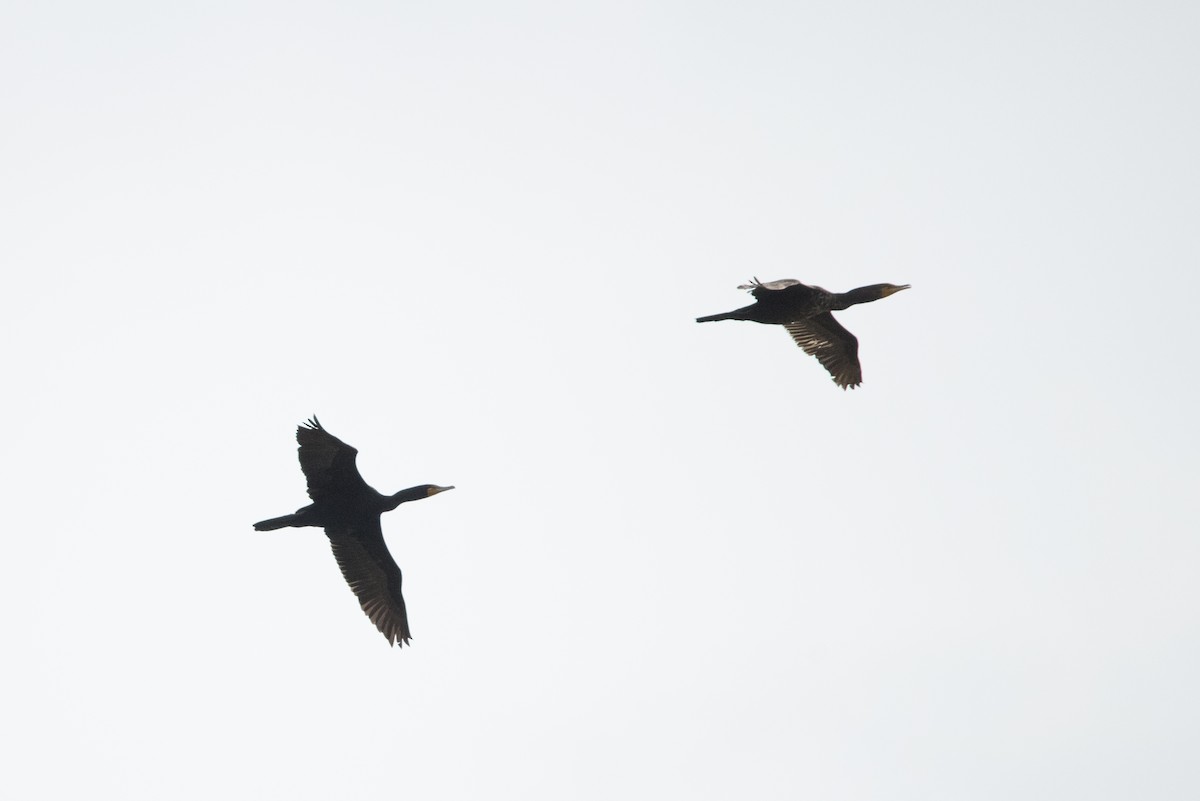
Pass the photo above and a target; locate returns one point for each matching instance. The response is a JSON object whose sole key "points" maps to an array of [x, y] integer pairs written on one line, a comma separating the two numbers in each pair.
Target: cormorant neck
{"points": [[406, 495], [864, 294]]}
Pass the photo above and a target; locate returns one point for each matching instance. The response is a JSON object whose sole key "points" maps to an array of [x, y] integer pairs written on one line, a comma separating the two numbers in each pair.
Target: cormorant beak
{"points": [[436, 490], [892, 290]]}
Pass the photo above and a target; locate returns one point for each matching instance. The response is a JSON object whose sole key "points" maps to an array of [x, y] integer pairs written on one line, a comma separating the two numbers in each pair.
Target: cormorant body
{"points": [[349, 509], [805, 312]]}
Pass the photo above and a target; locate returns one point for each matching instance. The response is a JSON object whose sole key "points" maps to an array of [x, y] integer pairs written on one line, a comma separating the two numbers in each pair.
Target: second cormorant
{"points": [[805, 312]]}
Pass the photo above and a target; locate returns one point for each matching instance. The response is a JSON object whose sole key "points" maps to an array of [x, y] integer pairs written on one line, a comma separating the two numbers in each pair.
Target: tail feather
{"points": [[726, 316], [275, 522]]}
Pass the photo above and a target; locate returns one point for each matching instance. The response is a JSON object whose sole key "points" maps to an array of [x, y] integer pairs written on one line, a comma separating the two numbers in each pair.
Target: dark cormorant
{"points": [[804, 311], [348, 509]]}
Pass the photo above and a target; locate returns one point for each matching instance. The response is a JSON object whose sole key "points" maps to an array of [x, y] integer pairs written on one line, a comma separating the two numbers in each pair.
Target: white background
{"points": [[680, 562]]}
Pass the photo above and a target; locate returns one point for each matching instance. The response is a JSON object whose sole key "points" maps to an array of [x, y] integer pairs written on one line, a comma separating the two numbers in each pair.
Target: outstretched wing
{"points": [[327, 462], [835, 347], [369, 569]]}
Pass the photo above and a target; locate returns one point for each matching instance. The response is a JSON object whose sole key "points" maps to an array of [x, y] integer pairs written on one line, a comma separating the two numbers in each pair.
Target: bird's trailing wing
{"points": [[328, 463], [369, 569], [835, 347]]}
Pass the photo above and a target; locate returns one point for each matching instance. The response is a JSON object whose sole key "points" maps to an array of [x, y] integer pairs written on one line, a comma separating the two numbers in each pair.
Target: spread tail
{"points": [[275, 522]]}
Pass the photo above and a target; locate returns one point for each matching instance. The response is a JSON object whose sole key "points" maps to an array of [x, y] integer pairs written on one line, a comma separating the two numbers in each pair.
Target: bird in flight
{"points": [[348, 509], [805, 312]]}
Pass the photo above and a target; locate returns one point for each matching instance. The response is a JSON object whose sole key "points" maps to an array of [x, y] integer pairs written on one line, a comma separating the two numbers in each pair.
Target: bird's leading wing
{"points": [[328, 463], [369, 569], [835, 347]]}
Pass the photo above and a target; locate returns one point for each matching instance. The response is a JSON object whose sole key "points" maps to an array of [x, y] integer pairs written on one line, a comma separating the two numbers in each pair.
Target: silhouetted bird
{"points": [[349, 512], [804, 311]]}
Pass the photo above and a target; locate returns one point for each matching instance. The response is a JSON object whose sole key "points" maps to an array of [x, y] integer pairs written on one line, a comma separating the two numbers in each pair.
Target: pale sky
{"points": [[680, 563]]}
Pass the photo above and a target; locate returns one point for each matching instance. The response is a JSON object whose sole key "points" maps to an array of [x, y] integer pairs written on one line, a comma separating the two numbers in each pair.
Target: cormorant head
{"points": [[891, 289]]}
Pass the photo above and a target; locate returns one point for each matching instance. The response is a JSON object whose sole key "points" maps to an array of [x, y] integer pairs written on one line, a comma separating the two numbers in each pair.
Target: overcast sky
{"points": [[680, 562]]}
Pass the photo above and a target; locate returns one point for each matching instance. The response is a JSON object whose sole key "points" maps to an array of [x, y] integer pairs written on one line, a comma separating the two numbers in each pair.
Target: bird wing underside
{"points": [[835, 347], [328, 463], [369, 569]]}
